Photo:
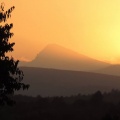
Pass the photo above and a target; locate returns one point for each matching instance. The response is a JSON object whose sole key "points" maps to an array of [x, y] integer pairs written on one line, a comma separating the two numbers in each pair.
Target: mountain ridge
{"points": [[110, 70], [52, 82], [58, 57]]}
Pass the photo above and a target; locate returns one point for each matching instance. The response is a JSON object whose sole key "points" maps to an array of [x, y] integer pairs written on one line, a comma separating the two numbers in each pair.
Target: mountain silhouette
{"points": [[110, 70], [53, 82], [58, 57]]}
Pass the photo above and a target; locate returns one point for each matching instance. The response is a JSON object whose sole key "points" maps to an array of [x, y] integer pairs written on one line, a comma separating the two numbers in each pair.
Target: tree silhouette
{"points": [[10, 75]]}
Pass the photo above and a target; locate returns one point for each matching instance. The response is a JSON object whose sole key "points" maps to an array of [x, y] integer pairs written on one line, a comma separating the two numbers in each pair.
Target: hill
{"points": [[57, 57], [110, 70], [52, 82]]}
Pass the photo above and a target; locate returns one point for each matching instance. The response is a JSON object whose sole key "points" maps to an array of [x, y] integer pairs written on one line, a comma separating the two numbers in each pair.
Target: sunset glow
{"points": [[90, 27]]}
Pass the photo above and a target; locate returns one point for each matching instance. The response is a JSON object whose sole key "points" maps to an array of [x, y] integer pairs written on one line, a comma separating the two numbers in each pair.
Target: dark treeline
{"points": [[97, 106]]}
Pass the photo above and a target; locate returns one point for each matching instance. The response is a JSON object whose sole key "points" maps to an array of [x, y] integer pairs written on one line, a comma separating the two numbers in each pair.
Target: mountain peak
{"points": [[54, 50], [56, 47], [58, 57]]}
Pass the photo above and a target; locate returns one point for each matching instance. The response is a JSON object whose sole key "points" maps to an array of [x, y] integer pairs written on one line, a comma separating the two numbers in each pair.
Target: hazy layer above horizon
{"points": [[90, 27]]}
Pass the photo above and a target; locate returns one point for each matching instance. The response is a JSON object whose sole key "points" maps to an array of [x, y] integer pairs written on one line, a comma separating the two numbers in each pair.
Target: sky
{"points": [[90, 27]]}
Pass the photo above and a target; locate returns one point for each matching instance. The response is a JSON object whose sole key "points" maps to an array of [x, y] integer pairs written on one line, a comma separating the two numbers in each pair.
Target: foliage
{"points": [[81, 107], [10, 75]]}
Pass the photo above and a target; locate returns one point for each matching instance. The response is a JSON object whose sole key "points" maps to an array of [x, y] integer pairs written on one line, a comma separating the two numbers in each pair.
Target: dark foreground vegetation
{"points": [[97, 106]]}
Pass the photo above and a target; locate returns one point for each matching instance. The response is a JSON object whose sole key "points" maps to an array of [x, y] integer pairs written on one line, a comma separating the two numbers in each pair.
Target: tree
{"points": [[10, 75]]}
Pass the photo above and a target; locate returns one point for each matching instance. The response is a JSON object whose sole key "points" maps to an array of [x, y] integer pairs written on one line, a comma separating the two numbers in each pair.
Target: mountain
{"points": [[52, 82], [110, 70], [57, 57]]}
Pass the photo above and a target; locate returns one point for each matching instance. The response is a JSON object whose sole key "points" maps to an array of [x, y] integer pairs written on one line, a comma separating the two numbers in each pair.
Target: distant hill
{"points": [[51, 82], [110, 70], [57, 57]]}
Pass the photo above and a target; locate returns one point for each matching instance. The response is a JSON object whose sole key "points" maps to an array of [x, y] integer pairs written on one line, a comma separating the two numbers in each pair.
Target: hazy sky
{"points": [[90, 27]]}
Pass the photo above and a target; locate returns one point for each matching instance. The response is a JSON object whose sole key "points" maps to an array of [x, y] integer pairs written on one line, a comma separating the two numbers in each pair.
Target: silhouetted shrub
{"points": [[10, 75]]}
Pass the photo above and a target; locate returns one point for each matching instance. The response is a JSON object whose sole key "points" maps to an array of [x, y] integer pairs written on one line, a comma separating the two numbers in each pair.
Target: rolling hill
{"points": [[110, 70], [57, 57], [52, 82]]}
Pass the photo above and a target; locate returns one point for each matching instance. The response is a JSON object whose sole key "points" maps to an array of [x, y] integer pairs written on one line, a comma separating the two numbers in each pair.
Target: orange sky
{"points": [[91, 27]]}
